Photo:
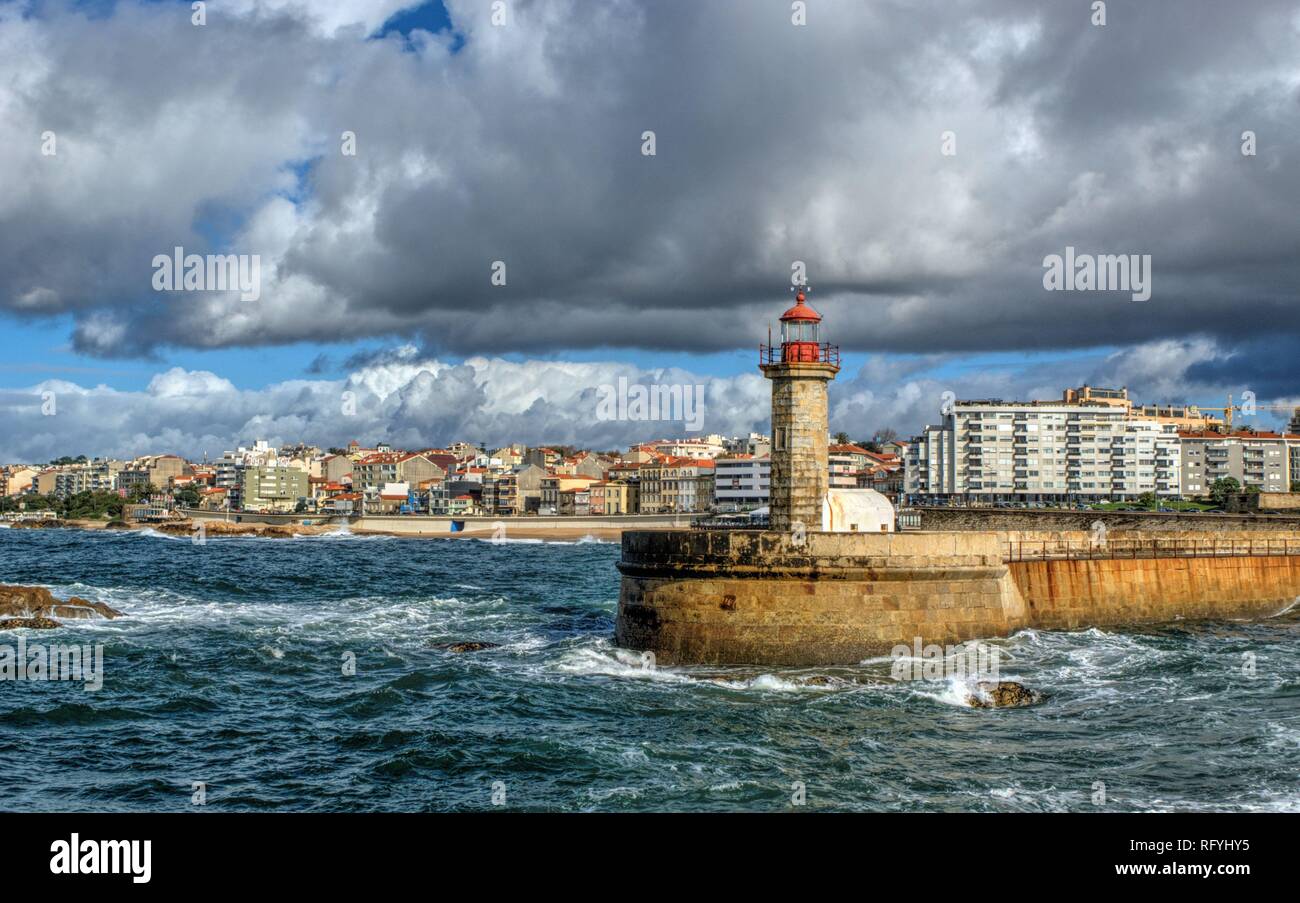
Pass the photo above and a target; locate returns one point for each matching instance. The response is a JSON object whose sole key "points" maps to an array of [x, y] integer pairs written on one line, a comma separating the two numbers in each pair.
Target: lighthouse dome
{"points": [[801, 310]]}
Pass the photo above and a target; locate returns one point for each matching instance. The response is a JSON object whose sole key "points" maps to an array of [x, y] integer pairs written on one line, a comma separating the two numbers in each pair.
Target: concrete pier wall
{"points": [[751, 597]]}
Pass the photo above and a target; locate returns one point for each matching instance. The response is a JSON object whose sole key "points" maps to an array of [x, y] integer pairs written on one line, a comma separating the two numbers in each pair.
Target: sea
{"points": [[313, 674]]}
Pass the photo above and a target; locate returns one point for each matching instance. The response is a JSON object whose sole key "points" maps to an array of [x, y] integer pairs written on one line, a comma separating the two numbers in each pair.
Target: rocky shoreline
{"points": [[183, 527], [221, 528], [37, 608]]}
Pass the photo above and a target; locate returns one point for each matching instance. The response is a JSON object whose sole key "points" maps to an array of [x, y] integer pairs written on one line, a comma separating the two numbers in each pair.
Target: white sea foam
{"points": [[956, 691], [772, 683], [604, 659], [608, 661]]}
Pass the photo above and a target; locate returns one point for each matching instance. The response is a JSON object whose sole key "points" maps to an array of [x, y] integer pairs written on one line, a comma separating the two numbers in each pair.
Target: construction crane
{"points": [[1293, 410]]}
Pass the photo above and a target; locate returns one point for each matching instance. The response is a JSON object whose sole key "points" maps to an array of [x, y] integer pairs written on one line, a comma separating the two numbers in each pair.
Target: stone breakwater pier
{"points": [[831, 583], [751, 597]]}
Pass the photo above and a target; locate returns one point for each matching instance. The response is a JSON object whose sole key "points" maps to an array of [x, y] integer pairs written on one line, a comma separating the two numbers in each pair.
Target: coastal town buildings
{"points": [[675, 485], [1093, 444]]}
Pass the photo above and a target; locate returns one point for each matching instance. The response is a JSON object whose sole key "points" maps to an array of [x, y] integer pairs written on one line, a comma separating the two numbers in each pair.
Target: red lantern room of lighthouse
{"points": [[800, 338]]}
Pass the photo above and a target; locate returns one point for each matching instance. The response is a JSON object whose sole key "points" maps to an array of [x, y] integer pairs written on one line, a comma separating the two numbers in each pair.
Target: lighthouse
{"points": [[800, 369]]}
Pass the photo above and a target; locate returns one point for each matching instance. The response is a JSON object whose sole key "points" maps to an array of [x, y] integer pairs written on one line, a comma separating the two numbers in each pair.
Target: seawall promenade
{"points": [[559, 527]]}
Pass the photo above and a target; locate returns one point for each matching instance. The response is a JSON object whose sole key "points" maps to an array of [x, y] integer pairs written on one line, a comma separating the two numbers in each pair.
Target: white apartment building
{"points": [[96, 476], [229, 468], [741, 482], [994, 451]]}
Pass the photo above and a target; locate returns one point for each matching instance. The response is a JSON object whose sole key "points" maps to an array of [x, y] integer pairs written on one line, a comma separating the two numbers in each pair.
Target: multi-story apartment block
{"points": [[1045, 451], [372, 472], [926, 466], [43, 483], [741, 482], [97, 476], [845, 463], [229, 469], [1259, 460], [273, 488]]}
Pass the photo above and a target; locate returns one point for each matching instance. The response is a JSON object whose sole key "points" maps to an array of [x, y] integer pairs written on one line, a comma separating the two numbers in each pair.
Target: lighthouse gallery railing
{"points": [[826, 353]]}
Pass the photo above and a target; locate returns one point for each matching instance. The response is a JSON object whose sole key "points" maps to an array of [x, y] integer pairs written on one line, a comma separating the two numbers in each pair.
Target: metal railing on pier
{"points": [[724, 522], [1085, 550]]}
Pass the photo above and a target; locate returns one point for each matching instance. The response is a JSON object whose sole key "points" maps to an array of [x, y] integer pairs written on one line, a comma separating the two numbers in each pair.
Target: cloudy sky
{"points": [[921, 159]]}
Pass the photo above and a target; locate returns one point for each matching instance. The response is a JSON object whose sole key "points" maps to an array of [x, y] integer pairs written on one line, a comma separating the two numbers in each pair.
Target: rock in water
{"points": [[465, 647], [33, 623], [1002, 695], [35, 603]]}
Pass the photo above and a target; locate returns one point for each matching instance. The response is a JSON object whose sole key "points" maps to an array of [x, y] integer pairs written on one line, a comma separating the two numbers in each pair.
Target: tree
{"points": [[1148, 500], [139, 494], [841, 438], [883, 435], [1221, 488]]}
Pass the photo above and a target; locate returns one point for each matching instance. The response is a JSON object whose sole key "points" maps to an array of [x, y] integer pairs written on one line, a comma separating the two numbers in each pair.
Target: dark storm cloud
{"points": [[775, 143], [1269, 367]]}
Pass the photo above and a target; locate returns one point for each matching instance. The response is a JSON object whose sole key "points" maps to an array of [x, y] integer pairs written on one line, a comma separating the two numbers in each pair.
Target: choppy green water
{"points": [[227, 670]]}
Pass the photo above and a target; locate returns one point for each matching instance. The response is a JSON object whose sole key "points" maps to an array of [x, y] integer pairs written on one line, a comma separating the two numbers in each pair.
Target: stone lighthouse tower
{"points": [[800, 369]]}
